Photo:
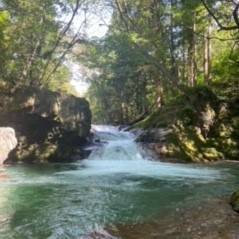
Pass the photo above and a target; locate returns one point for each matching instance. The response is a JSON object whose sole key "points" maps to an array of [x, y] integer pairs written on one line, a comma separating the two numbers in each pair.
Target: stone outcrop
{"points": [[199, 126], [49, 126], [72, 112], [8, 142]]}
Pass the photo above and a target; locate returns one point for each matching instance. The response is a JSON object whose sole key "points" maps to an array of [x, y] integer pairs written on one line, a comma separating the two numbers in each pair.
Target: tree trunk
{"points": [[207, 56], [192, 54], [174, 66]]}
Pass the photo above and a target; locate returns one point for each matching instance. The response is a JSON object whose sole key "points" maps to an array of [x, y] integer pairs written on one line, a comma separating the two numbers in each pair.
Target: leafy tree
{"points": [[35, 41], [154, 49]]}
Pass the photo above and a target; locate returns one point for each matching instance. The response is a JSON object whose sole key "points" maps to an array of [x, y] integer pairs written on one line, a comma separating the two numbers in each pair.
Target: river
{"points": [[117, 184]]}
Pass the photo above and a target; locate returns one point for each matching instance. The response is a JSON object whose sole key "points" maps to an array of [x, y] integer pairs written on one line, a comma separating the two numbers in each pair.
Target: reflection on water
{"points": [[115, 185]]}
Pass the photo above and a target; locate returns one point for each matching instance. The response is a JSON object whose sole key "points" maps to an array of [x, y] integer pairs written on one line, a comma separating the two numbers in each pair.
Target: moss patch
{"points": [[205, 127]]}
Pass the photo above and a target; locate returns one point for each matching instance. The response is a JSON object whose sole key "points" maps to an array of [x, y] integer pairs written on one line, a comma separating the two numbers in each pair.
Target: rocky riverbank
{"points": [[49, 126], [198, 126]]}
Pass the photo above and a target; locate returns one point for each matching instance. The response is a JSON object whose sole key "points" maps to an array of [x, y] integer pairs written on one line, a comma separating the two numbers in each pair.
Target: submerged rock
{"points": [[235, 201], [210, 219], [8, 142]]}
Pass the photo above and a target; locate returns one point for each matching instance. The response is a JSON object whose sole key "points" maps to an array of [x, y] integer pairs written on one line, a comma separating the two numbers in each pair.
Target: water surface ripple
{"points": [[115, 185]]}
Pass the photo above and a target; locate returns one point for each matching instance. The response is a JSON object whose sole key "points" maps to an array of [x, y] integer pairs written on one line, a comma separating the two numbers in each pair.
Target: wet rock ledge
{"points": [[49, 126]]}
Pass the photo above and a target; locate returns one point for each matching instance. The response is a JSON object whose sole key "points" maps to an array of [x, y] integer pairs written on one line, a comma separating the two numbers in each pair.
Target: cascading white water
{"points": [[119, 145], [121, 154]]}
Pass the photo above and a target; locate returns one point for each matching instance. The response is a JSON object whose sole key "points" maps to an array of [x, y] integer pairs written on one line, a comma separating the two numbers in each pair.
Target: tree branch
{"points": [[60, 37], [71, 44], [235, 15]]}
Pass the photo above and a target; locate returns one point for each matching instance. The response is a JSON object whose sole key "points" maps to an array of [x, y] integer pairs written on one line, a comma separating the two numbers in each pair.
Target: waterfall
{"points": [[118, 145], [120, 154]]}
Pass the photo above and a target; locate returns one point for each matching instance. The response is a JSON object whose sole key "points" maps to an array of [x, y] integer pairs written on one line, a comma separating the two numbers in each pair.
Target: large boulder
{"points": [[72, 112], [8, 142], [49, 126]]}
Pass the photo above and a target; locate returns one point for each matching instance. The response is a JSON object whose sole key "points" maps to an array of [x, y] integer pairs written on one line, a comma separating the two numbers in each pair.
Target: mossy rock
{"points": [[42, 140], [212, 154], [205, 127], [235, 201], [224, 130]]}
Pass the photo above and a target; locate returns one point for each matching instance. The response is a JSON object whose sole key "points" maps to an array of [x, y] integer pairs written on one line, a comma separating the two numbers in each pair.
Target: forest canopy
{"points": [[35, 39], [153, 49]]}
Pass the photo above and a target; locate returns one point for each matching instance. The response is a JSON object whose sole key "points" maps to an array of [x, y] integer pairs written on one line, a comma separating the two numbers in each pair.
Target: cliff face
{"points": [[49, 126], [73, 113]]}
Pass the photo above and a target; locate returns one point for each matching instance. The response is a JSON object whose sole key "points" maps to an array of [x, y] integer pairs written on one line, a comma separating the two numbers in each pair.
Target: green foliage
{"points": [[4, 21], [226, 66], [153, 50], [122, 69], [60, 82], [32, 43]]}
